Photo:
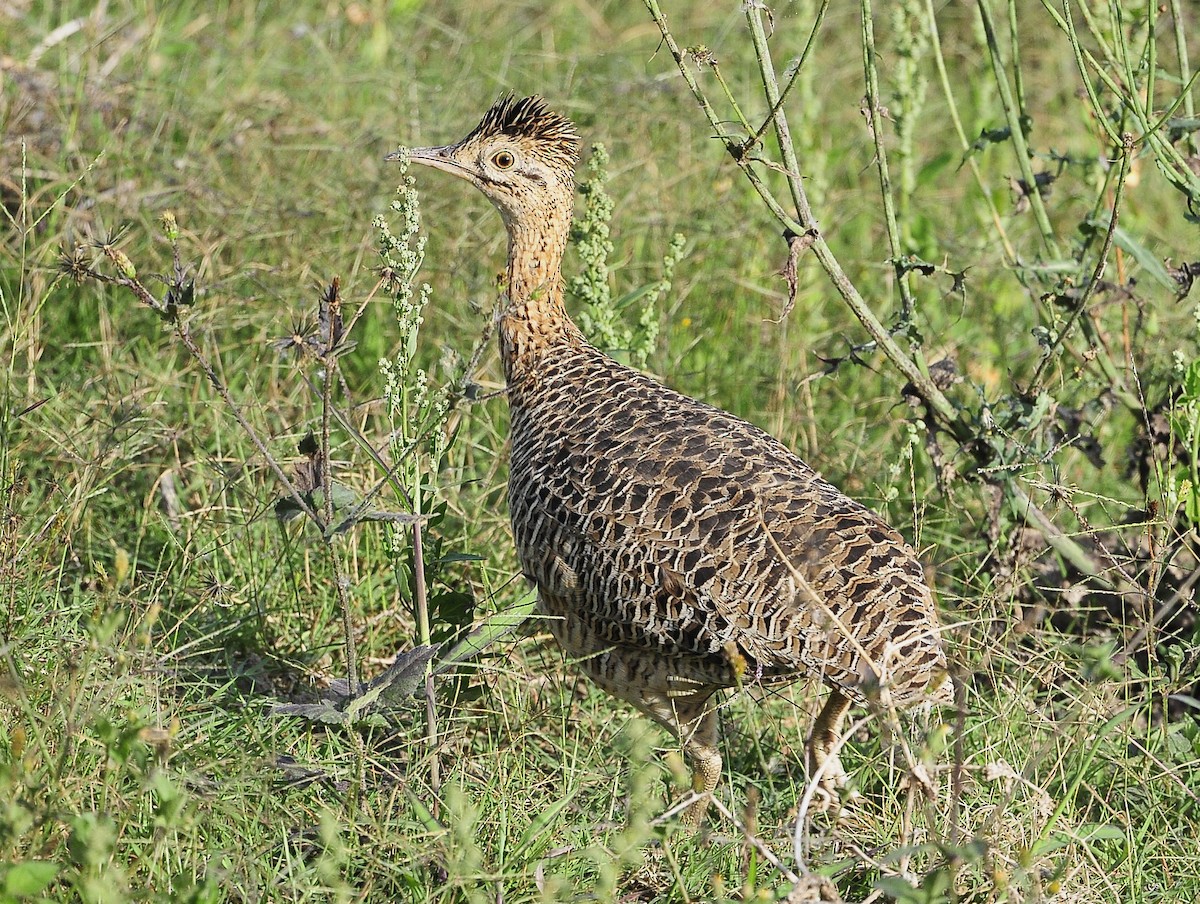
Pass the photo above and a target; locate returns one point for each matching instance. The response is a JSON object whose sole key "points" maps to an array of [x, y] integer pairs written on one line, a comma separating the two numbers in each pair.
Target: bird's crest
{"points": [[529, 118]]}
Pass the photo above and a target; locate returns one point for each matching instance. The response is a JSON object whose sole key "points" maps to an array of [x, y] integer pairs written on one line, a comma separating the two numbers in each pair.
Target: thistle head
{"points": [[522, 156]]}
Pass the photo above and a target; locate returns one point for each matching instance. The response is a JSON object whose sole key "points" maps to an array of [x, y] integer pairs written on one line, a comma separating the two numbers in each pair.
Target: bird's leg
{"points": [[821, 741], [700, 747], [696, 724]]}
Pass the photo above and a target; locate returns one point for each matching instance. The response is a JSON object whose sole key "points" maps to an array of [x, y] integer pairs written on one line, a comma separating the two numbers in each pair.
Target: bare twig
{"points": [[874, 115], [1098, 271], [1013, 115], [331, 316], [421, 601], [814, 784], [803, 221]]}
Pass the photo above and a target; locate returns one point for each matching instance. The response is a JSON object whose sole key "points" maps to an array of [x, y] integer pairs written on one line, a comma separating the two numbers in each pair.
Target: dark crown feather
{"points": [[529, 118]]}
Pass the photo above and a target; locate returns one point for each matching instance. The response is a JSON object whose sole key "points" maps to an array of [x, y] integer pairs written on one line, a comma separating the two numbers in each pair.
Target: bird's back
{"points": [[654, 522]]}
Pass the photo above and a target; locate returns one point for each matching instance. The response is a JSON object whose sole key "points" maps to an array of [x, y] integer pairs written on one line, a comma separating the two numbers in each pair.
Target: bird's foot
{"points": [[692, 818], [832, 792]]}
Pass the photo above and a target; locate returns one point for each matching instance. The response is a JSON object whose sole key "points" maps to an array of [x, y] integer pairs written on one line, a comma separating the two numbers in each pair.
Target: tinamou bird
{"points": [[677, 550]]}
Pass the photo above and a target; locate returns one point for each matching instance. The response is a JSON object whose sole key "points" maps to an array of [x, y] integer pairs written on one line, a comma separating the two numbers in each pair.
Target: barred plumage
{"points": [[677, 550]]}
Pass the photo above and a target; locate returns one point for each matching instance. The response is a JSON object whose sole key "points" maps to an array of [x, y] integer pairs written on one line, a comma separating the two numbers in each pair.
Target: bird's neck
{"points": [[535, 319]]}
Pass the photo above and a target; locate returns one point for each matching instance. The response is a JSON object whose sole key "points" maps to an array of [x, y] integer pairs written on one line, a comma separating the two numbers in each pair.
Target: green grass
{"points": [[154, 610]]}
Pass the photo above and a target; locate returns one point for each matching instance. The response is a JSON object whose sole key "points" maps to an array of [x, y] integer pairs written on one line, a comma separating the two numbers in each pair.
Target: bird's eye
{"points": [[504, 160]]}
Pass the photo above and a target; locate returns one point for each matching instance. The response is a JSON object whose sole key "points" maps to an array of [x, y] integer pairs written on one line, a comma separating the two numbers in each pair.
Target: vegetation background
{"points": [[156, 611]]}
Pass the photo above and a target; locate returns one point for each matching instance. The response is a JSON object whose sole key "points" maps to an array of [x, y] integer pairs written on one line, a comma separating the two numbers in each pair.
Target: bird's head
{"points": [[522, 155]]}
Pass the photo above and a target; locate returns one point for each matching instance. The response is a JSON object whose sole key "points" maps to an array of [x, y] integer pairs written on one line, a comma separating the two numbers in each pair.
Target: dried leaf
{"points": [[1184, 275], [330, 316], [797, 244]]}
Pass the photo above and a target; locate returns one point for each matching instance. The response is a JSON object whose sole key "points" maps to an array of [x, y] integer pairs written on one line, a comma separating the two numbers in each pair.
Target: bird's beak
{"points": [[439, 158]]}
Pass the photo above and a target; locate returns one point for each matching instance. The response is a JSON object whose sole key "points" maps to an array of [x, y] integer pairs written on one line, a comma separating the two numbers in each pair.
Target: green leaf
{"points": [[453, 609], [395, 685], [895, 887], [1085, 834], [1147, 260], [986, 137], [343, 496], [931, 891], [1191, 382], [287, 508], [425, 815], [24, 880], [324, 711], [933, 167], [1181, 125], [633, 295], [1191, 505], [1187, 700], [911, 263], [1100, 831], [1038, 411], [452, 558], [492, 629], [534, 838]]}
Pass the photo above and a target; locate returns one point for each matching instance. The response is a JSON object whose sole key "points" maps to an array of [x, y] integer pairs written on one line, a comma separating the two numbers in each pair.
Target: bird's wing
{"points": [[669, 525]]}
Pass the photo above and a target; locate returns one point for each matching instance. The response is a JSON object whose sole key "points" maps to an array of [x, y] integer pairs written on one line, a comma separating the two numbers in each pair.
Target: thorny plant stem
{"points": [[1015, 119], [1168, 157], [340, 581], [1090, 289], [875, 123], [737, 110], [185, 336], [422, 606], [1181, 51], [180, 328], [681, 61], [1133, 106], [389, 472], [1014, 53], [1082, 58], [1120, 50], [1151, 57], [906, 365], [795, 66], [783, 134], [321, 521]]}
